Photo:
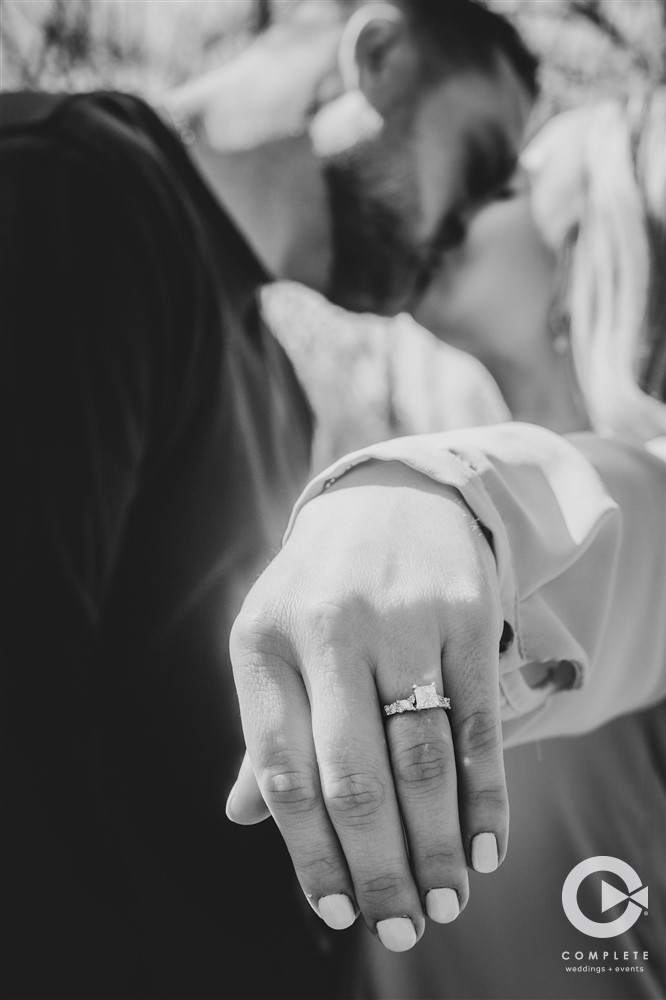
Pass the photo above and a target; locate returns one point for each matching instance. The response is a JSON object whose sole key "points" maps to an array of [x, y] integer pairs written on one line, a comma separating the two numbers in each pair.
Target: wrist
{"points": [[370, 480], [376, 475], [376, 472]]}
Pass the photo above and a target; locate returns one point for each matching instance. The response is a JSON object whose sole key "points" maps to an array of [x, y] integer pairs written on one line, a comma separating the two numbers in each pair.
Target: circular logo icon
{"points": [[636, 897]]}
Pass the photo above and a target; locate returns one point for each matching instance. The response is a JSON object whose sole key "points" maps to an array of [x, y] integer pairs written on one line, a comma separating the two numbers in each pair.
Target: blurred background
{"points": [[367, 378]]}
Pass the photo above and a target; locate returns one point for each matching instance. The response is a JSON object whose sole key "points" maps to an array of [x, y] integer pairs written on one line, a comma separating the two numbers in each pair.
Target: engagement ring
{"points": [[423, 696]]}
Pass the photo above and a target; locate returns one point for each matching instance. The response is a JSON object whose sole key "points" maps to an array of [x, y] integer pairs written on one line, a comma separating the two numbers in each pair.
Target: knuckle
{"points": [[492, 798], [353, 796], [477, 619], [479, 734], [473, 631], [289, 785], [446, 859], [475, 615], [381, 890], [424, 763], [318, 869], [257, 636], [334, 622]]}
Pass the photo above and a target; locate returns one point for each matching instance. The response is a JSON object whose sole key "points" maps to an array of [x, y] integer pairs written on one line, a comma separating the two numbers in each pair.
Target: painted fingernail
{"points": [[484, 853], [442, 905], [397, 933], [337, 911], [229, 808]]}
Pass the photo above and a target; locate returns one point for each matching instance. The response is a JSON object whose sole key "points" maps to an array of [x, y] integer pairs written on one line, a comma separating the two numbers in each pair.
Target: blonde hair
{"points": [[616, 296]]}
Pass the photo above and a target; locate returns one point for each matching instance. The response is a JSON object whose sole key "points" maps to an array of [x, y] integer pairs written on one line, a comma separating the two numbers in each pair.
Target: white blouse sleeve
{"points": [[578, 528]]}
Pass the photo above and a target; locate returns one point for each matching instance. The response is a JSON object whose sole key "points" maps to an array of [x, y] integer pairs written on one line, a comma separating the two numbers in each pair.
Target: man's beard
{"points": [[376, 266]]}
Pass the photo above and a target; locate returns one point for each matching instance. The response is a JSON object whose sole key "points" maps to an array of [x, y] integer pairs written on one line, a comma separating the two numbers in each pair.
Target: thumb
{"points": [[245, 804]]}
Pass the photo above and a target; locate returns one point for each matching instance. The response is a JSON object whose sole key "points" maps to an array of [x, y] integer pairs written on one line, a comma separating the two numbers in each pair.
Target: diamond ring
{"points": [[423, 696]]}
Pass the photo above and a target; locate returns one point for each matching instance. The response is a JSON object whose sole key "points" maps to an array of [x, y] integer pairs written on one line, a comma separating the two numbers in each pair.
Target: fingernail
{"points": [[230, 802], [442, 905], [337, 911], [484, 853], [397, 933]]}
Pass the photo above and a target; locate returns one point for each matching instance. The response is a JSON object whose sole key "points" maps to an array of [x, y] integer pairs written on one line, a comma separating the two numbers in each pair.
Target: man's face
{"points": [[398, 197]]}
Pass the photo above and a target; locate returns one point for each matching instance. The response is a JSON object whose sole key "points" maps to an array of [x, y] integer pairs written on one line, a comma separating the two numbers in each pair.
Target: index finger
{"points": [[360, 797]]}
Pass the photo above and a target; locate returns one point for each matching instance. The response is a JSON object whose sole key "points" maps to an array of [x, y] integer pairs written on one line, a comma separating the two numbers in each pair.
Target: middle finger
{"points": [[360, 797]]}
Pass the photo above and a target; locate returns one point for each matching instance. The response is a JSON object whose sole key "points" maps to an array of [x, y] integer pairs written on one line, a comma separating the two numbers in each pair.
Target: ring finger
{"points": [[424, 770]]}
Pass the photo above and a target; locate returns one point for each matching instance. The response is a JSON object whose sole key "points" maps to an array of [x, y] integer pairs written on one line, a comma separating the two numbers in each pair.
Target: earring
{"points": [[561, 344], [558, 323]]}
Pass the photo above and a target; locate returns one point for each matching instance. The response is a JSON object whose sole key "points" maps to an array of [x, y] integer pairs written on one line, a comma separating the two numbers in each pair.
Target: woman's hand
{"points": [[385, 582]]}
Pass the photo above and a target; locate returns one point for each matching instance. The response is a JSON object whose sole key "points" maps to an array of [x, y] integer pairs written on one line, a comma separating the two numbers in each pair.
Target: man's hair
{"points": [[470, 36]]}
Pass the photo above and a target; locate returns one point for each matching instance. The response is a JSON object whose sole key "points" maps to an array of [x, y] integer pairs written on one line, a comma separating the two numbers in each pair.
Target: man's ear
{"points": [[377, 55]]}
